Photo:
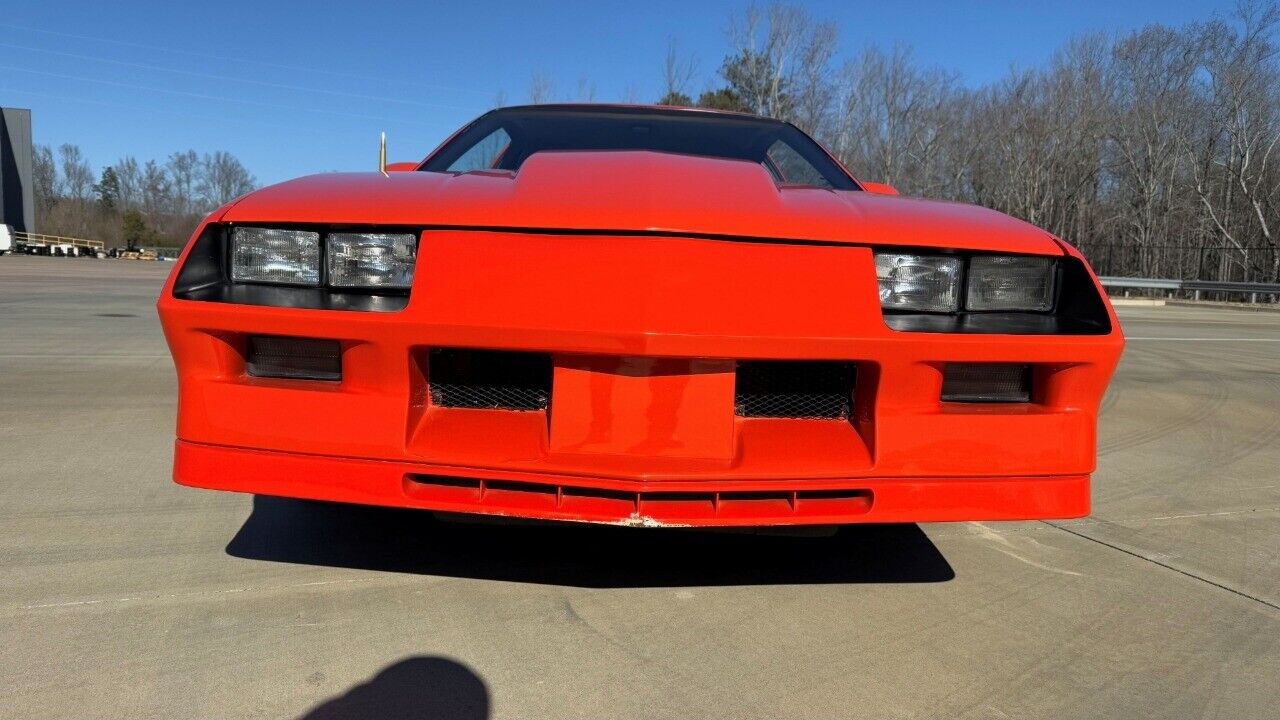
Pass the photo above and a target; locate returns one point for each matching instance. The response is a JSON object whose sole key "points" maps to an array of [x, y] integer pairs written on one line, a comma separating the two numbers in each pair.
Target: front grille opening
{"points": [[637, 508], [489, 379], [794, 389]]}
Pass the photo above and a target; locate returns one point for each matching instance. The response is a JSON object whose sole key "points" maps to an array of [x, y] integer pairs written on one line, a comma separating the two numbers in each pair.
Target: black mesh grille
{"points": [[489, 379], [786, 389]]}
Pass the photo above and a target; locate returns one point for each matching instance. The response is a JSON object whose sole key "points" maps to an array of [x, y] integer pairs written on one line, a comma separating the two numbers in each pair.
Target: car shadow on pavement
{"points": [[412, 541], [415, 687]]}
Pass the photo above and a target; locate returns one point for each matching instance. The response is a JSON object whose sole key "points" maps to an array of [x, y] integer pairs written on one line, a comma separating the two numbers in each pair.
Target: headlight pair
{"points": [[936, 283], [342, 260]]}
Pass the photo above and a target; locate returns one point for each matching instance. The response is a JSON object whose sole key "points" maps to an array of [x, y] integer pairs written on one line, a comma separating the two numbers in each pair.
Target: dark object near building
{"points": [[17, 201]]}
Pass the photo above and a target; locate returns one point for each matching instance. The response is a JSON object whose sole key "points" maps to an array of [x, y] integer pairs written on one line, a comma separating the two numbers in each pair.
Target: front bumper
{"points": [[661, 445], [625, 502]]}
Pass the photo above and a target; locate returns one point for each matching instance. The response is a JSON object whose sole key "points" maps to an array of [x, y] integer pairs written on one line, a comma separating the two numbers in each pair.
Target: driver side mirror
{"points": [[879, 188], [402, 166]]}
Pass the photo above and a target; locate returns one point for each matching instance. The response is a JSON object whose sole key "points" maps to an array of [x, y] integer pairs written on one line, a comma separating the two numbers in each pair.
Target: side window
{"points": [[795, 169], [484, 154]]}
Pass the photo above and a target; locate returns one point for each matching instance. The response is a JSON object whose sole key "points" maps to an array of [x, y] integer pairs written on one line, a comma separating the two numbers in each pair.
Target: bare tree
{"points": [[222, 179], [156, 194], [74, 185], [677, 72], [76, 179], [894, 115], [811, 79], [766, 45], [183, 169], [1235, 160], [540, 89], [1154, 75], [129, 177], [44, 174]]}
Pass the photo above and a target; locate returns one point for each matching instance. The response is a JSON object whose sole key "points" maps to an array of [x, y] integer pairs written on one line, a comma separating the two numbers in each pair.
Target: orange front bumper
{"points": [[625, 502], [641, 427]]}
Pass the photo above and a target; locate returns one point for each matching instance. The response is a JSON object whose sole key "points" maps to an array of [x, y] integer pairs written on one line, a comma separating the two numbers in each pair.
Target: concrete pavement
{"points": [[122, 595]]}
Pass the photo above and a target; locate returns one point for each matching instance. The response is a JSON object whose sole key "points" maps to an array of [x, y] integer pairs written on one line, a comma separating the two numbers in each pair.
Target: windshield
{"points": [[504, 139]]}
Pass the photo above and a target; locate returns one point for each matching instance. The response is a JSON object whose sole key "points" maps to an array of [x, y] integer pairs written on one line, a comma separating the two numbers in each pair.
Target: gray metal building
{"points": [[17, 199]]}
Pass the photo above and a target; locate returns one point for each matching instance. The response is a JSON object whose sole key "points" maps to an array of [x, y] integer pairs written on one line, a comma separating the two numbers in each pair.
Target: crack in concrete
{"points": [[1148, 558]]}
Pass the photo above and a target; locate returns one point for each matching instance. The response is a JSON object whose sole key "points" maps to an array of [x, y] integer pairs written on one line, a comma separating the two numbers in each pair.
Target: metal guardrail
{"points": [[41, 240], [1252, 289], [1140, 283]]}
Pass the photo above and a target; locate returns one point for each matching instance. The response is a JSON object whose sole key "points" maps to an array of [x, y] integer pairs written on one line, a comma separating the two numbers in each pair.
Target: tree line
{"points": [[1157, 152], [132, 203]]}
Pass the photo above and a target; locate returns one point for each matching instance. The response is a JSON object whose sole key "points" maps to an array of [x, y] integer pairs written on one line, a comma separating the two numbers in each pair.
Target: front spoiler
{"points": [[701, 502]]}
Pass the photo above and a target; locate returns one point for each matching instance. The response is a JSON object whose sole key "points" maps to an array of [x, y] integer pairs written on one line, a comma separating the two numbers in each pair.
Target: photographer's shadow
{"points": [[413, 541], [416, 687]]}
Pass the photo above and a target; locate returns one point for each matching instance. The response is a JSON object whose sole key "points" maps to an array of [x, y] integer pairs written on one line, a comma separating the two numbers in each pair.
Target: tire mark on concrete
{"points": [[1217, 397]]}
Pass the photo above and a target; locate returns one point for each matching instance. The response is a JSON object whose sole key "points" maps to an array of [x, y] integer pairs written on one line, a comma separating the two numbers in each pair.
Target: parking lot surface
{"points": [[123, 595]]}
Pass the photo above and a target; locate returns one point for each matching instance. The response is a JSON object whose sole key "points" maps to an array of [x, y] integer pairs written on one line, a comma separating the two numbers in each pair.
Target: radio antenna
{"points": [[382, 155]]}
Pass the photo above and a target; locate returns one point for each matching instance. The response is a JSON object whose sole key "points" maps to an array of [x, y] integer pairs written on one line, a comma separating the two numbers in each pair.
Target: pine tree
{"points": [[136, 233], [108, 189]]}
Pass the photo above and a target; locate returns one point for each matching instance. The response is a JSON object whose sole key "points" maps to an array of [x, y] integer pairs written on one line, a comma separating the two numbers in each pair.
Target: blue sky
{"points": [[299, 87]]}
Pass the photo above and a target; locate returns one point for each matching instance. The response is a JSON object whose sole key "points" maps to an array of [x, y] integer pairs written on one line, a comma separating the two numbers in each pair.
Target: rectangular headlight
{"points": [[371, 260], [272, 255], [927, 283], [1010, 282]]}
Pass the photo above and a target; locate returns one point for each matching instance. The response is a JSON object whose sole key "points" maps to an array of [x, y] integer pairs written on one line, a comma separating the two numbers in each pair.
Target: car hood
{"points": [[635, 192]]}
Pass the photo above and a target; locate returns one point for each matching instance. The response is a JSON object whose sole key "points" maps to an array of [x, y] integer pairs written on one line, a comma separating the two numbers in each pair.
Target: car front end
{"points": [[534, 344]]}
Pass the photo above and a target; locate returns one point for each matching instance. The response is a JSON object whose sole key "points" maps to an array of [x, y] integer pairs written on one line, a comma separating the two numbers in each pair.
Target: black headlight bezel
{"points": [[206, 274], [1077, 307]]}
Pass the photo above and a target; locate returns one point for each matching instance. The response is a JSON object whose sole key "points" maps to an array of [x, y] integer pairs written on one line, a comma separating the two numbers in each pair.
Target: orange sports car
{"points": [[641, 316]]}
